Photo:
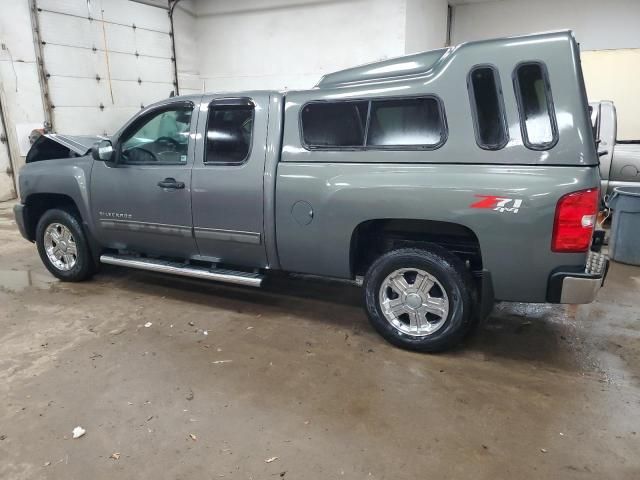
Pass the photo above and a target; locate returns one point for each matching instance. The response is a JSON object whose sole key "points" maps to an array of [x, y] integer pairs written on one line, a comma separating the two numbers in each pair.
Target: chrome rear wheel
{"points": [[414, 302]]}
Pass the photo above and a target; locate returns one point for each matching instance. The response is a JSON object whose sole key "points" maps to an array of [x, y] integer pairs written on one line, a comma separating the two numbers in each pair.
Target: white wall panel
{"points": [[144, 42], [132, 13], [129, 67], [77, 92], [611, 75], [78, 62], [292, 43], [73, 7], [188, 47], [62, 29], [139, 70], [597, 24], [92, 120], [426, 27]]}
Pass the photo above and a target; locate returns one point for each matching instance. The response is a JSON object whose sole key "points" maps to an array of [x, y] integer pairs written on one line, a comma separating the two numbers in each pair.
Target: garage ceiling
{"points": [[103, 61]]}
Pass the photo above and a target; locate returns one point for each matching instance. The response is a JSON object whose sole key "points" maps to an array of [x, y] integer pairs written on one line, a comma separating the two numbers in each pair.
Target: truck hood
{"points": [[51, 146], [80, 144]]}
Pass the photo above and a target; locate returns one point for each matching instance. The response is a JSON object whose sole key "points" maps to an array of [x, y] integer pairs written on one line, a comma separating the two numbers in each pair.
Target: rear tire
{"points": [[420, 299], [63, 246]]}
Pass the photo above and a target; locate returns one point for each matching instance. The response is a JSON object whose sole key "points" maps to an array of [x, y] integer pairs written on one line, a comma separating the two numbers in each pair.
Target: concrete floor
{"points": [[295, 372]]}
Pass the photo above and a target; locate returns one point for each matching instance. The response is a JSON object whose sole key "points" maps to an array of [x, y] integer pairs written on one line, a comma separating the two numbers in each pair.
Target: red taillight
{"points": [[575, 219]]}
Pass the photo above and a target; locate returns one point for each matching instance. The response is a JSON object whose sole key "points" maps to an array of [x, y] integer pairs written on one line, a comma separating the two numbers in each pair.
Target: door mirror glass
{"points": [[103, 151]]}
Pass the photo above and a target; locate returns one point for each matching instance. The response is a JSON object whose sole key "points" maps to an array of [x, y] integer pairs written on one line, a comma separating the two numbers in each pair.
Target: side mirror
{"points": [[103, 151]]}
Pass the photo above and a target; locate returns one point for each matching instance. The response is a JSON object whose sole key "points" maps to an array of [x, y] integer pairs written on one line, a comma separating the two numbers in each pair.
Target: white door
{"points": [[103, 61]]}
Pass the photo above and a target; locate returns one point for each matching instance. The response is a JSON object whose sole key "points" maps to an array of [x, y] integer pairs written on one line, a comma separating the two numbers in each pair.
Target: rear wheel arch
{"points": [[372, 238]]}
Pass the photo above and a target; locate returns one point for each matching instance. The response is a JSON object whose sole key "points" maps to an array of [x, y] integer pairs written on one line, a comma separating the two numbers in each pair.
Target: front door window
{"points": [[159, 139]]}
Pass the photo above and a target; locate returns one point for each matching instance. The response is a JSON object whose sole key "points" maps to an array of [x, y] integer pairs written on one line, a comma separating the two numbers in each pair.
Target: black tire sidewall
{"points": [[453, 278], [84, 266]]}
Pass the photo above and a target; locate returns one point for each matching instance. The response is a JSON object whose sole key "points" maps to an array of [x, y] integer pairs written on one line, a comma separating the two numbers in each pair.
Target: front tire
{"points": [[420, 299], [63, 247]]}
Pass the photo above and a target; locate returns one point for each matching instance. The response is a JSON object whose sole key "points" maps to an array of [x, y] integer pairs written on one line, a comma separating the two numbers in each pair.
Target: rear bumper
{"points": [[578, 284], [20, 214]]}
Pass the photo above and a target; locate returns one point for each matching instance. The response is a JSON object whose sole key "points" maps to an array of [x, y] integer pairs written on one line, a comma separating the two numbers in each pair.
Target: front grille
{"points": [[596, 263]]}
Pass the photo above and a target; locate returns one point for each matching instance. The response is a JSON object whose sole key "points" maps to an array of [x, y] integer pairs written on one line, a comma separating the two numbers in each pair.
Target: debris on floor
{"points": [[115, 456], [193, 437], [272, 459], [222, 361], [190, 395], [78, 432], [148, 324]]}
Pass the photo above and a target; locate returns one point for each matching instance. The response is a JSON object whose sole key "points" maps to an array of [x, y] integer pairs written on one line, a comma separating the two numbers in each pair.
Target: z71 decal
{"points": [[498, 204]]}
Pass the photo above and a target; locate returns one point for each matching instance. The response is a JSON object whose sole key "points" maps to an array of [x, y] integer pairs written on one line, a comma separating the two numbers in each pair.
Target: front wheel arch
{"points": [[38, 203]]}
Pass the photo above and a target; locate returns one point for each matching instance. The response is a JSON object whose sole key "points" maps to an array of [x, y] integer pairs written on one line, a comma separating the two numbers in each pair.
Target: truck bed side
{"points": [[515, 245]]}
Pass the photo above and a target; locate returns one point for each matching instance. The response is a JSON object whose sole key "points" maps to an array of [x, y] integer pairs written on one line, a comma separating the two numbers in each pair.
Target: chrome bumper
{"points": [[581, 285]]}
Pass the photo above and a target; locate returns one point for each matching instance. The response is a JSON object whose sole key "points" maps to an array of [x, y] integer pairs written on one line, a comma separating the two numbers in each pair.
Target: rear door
{"points": [[228, 180], [143, 202]]}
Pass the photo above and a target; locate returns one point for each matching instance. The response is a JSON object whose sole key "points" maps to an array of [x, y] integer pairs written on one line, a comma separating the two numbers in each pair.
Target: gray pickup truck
{"points": [[619, 159], [444, 181]]}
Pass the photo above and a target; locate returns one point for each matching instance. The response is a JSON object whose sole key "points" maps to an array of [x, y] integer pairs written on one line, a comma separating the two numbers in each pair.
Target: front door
{"points": [[142, 201], [228, 180]]}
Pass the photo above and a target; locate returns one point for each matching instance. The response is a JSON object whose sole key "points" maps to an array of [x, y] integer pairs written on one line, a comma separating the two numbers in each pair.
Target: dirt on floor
{"points": [[178, 379]]}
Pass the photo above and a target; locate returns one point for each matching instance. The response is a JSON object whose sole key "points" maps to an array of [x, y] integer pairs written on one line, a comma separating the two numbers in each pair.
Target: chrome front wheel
{"points": [[414, 302], [60, 247]]}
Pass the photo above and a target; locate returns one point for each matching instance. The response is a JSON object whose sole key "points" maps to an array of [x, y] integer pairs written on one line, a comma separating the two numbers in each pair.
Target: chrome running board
{"points": [[175, 268]]}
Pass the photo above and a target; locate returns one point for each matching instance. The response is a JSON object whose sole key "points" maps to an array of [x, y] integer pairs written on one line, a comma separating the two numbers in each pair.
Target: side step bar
{"points": [[175, 268]]}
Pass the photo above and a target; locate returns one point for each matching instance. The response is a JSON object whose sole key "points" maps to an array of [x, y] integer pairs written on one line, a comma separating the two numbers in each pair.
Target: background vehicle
{"points": [[619, 160], [446, 180]]}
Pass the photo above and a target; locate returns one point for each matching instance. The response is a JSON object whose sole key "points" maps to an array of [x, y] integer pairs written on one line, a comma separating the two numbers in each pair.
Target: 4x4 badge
{"points": [[498, 204]]}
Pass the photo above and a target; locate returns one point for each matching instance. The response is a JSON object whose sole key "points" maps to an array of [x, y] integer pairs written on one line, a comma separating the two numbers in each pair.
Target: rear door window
{"points": [[487, 107], [229, 132], [408, 122], [331, 125], [537, 118]]}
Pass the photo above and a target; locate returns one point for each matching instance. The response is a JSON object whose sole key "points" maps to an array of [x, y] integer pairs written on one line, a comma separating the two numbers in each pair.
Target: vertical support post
{"points": [[450, 11], [172, 6], [42, 77], [4, 139]]}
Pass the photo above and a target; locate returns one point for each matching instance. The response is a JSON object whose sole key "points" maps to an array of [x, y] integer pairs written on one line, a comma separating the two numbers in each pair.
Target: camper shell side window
{"points": [[535, 105], [391, 123], [487, 107]]}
